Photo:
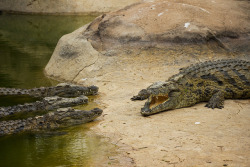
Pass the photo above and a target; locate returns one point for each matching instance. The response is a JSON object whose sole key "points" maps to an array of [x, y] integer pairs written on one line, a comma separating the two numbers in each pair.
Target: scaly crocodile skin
{"points": [[63, 117], [211, 81], [62, 90]]}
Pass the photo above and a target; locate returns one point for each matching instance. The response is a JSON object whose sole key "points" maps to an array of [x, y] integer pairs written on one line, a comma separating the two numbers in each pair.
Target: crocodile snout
{"points": [[145, 111]]}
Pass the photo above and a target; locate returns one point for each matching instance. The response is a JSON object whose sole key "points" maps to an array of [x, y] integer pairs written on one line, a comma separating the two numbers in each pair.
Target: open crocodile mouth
{"points": [[157, 100]]}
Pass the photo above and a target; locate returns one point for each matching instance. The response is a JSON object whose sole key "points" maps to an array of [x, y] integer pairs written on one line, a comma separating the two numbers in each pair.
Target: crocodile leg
{"points": [[216, 101], [142, 95]]}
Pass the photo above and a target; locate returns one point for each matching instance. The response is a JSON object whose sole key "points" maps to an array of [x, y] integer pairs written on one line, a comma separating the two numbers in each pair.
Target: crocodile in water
{"points": [[62, 117], [46, 104], [62, 90]]}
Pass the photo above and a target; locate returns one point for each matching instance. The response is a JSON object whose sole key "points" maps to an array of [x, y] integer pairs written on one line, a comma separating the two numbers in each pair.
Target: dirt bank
{"points": [[63, 6], [194, 136]]}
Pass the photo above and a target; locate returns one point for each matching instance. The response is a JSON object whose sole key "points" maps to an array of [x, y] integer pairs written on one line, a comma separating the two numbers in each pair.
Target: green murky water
{"points": [[26, 44], [70, 147]]}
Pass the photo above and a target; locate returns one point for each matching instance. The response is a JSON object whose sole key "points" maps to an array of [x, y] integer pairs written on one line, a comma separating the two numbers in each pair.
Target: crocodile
{"points": [[62, 90], [210, 81], [61, 118], [52, 98], [46, 104]]}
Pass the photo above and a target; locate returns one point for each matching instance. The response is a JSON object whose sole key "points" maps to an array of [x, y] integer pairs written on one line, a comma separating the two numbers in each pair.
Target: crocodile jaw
{"points": [[156, 104], [157, 100]]}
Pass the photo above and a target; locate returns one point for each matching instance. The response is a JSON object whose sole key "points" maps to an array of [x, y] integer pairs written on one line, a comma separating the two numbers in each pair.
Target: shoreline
{"points": [[170, 138], [9, 12]]}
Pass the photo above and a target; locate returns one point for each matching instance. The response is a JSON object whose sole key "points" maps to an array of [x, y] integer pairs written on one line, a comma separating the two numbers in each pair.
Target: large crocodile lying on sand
{"points": [[62, 117], [211, 81], [62, 90]]}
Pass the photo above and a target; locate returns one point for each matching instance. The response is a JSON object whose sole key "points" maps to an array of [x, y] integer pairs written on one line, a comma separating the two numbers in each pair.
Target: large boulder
{"points": [[72, 54], [181, 30], [160, 22]]}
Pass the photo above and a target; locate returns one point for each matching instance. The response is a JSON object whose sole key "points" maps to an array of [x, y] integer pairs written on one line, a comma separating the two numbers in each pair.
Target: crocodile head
{"points": [[65, 117], [163, 96], [59, 102], [71, 90]]}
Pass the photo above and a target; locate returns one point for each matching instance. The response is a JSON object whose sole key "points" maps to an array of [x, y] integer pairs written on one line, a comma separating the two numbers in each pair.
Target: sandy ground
{"points": [[194, 136]]}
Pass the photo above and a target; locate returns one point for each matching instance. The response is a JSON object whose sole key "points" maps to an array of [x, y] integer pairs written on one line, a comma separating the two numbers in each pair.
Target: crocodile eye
{"points": [[164, 84], [173, 93]]}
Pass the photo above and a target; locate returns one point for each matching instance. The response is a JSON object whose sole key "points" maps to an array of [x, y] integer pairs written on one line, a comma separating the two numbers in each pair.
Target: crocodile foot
{"points": [[216, 101]]}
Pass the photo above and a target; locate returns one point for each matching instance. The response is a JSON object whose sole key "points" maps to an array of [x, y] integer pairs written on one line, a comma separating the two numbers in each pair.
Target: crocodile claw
{"points": [[142, 95]]}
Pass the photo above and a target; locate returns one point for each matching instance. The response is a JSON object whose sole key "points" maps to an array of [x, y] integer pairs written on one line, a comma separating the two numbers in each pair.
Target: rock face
{"points": [[63, 6], [93, 50], [159, 22], [73, 53]]}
